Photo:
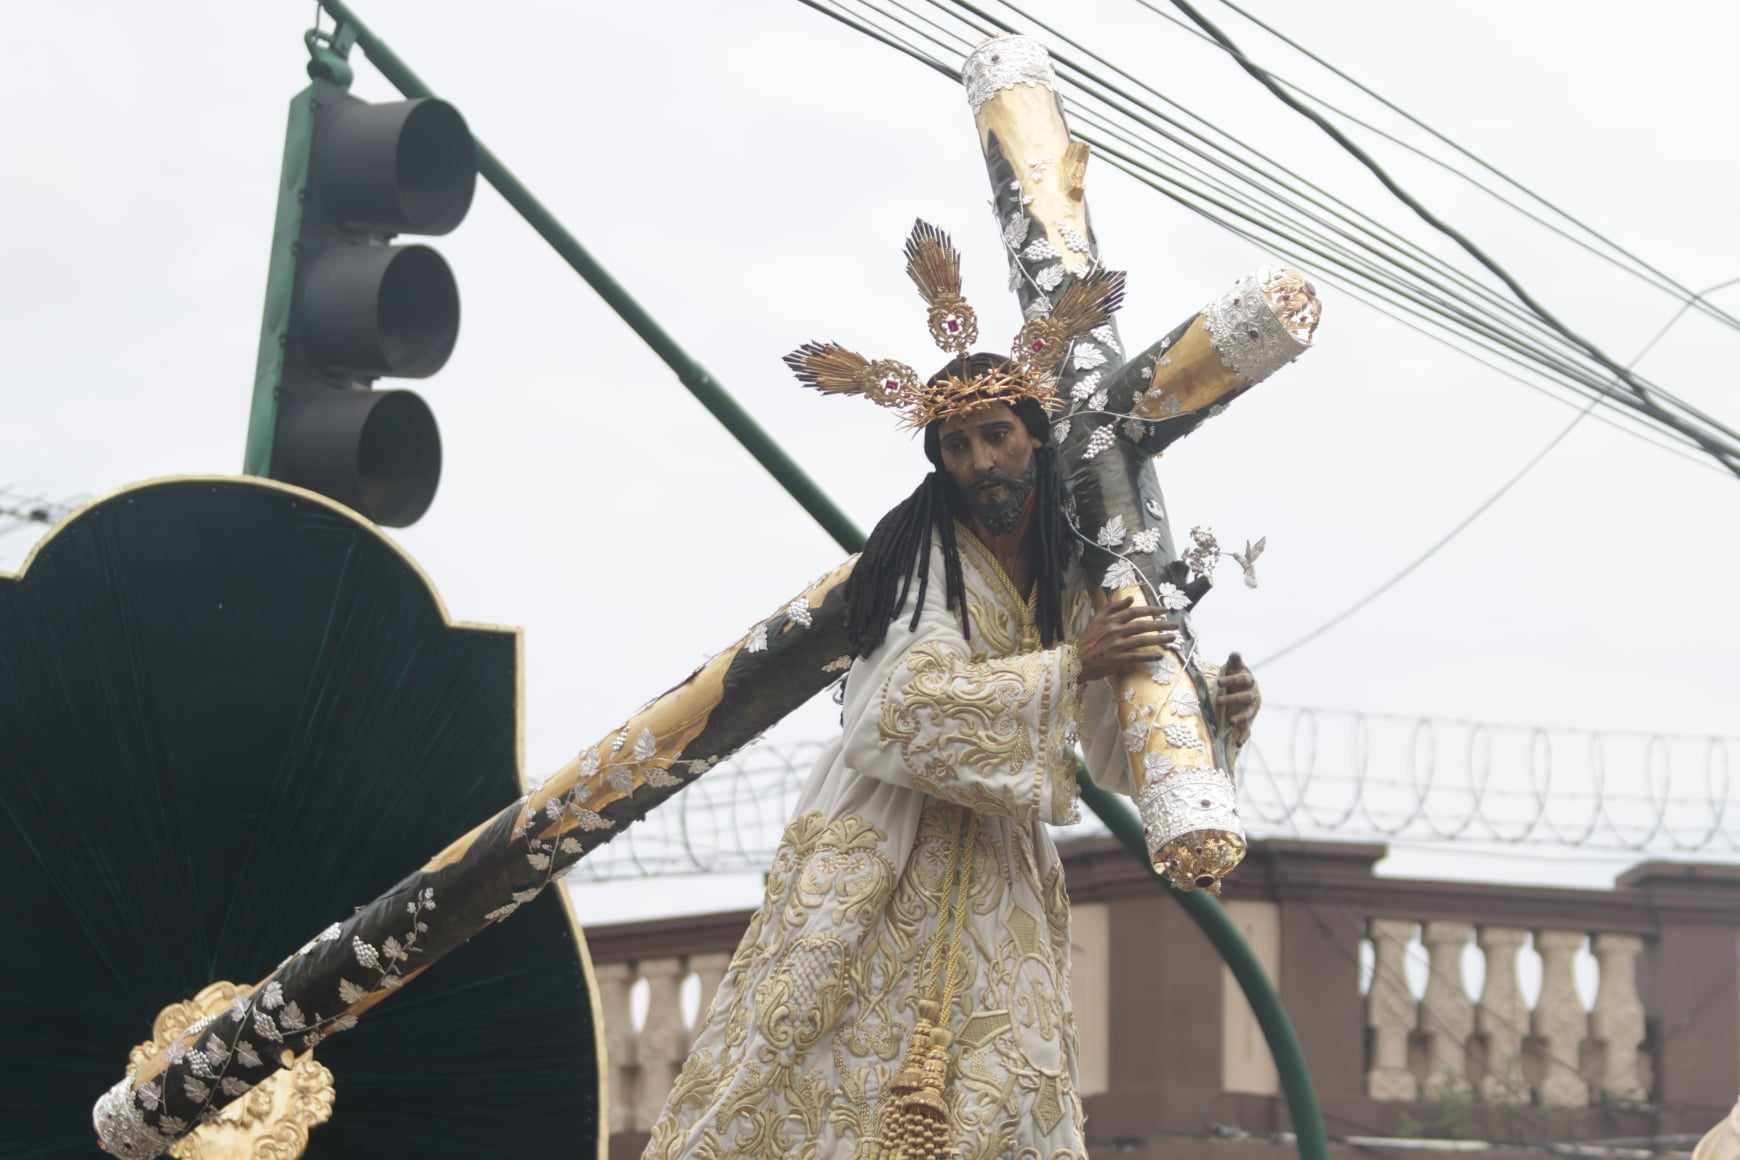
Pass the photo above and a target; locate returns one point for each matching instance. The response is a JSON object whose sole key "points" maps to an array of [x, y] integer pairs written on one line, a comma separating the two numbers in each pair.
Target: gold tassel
{"points": [[917, 1123], [915, 1120]]}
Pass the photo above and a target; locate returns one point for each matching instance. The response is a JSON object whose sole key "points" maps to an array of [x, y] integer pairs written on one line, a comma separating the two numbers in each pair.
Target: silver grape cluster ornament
{"points": [[1205, 552]]}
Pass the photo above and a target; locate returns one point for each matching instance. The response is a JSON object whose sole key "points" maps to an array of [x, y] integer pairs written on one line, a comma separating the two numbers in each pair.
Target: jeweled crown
{"points": [[934, 265]]}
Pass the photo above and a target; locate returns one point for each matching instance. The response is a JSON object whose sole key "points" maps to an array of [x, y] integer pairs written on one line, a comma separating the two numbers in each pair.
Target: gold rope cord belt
{"points": [[915, 1125]]}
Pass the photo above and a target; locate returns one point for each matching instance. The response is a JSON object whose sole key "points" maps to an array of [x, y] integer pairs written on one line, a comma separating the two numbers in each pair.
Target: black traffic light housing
{"points": [[345, 306]]}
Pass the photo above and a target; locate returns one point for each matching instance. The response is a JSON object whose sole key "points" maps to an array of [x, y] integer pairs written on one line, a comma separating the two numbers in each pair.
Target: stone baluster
{"points": [[1560, 1023], [709, 969], [615, 981], [1617, 1021], [664, 1041], [1390, 1013], [1502, 1017], [1446, 1012]]}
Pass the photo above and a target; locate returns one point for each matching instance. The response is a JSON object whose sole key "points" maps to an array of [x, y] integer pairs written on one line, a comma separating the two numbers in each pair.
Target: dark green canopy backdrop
{"points": [[230, 713]]}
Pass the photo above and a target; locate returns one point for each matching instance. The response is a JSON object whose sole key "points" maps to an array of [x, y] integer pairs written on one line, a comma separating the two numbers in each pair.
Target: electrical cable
{"points": [[1724, 450], [1426, 299], [1680, 290], [1717, 447], [1346, 212], [1144, 174], [1354, 267], [1668, 285], [1554, 360], [1485, 504], [1086, 115], [878, 35]]}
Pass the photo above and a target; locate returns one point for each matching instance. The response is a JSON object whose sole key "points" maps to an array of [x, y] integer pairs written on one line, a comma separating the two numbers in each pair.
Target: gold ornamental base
{"points": [[1200, 859], [272, 1121]]}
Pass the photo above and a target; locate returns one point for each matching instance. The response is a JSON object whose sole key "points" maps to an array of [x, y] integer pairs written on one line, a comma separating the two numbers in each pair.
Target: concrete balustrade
{"points": [[1420, 1048], [1444, 1045]]}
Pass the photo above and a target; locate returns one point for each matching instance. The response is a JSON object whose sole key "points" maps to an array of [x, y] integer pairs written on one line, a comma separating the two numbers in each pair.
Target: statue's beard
{"points": [[998, 499]]}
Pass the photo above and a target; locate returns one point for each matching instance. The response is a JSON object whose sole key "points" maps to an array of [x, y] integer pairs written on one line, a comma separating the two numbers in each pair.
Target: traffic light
{"points": [[345, 306]]}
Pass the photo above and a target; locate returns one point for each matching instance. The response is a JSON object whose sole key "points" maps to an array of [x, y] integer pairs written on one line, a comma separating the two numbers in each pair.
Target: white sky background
{"points": [[749, 173]]}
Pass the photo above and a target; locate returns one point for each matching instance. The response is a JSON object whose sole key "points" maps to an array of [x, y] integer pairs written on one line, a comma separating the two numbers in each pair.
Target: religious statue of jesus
{"points": [[903, 989]]}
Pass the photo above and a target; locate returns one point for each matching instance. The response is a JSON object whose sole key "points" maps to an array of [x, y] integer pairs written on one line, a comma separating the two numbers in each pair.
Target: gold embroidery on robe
{"points": [[809, 1024], [956, 721]]}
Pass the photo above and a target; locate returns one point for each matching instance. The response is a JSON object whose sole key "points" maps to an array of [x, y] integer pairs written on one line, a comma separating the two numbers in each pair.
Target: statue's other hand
{"points": [[1237, 699]]}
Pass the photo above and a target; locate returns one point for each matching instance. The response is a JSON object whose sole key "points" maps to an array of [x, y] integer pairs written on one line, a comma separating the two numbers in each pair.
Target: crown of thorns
{"points": [[934, 265]]}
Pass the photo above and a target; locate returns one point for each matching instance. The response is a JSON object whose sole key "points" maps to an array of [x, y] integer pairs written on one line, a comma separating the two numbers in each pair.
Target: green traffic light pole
{"points": [[1205, 910], [690, 373]]}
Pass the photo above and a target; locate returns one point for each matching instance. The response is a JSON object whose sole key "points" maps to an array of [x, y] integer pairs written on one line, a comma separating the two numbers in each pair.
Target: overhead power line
{"points": [[1472, 349], [1395, 280], [1414, 564], [1722, 443], [1201, 166], [1645, 270], [1642, 270]]}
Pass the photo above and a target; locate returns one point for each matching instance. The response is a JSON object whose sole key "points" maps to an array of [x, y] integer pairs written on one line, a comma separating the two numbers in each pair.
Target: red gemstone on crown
{"points": [[954, 325], [1038, 344]]}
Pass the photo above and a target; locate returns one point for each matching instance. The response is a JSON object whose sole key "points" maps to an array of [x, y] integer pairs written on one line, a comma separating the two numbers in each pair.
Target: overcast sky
{"points": [[749, 173]]}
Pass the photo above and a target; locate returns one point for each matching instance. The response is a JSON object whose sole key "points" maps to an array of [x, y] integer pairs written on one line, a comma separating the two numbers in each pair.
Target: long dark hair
{"points": [[898, 550]]}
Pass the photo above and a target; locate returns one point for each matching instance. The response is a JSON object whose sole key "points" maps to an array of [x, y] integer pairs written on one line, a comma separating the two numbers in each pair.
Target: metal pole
{"points": [[1211, 918], [1202, 908]]}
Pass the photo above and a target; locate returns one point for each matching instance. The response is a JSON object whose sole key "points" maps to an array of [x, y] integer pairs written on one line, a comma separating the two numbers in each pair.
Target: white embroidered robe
{"points": [[813, 1017]]}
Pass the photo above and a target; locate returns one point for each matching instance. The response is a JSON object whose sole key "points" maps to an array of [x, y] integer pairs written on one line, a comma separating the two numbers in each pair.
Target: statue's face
{"points": [[988, 452]]}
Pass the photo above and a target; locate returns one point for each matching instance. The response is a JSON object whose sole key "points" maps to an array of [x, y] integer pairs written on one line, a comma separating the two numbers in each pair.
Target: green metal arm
{"points": [[1204, 909]]}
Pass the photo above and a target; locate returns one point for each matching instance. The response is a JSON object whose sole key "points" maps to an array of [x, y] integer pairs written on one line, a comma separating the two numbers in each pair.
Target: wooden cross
{"points": [[1120, 414]]}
